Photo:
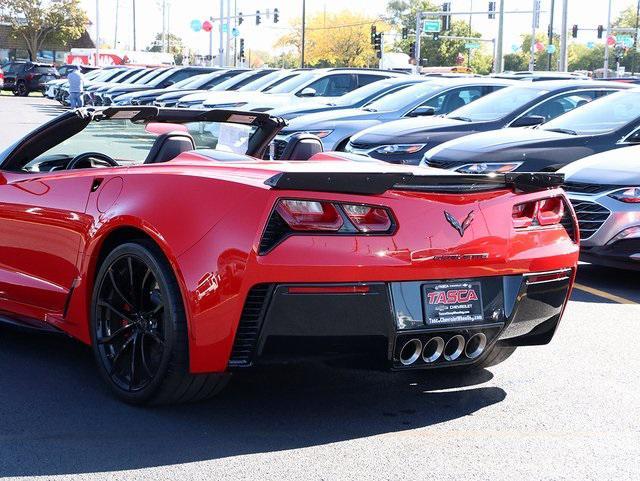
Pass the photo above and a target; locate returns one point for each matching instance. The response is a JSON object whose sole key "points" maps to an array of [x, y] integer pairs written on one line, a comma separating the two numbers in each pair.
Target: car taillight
{"points": [[307, 215], [29, 77], [550, 211], [543, 212], [367, 218]]}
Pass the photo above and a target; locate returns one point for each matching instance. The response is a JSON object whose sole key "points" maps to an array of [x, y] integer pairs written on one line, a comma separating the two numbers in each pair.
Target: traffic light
{"points": [[446, 19], [276, 15], [373, 34], [492, 10], [574, 31], [377, 42], [436, 36], [412, 50], [240, 19], [258, 20], [405, 33], [241, 53], [600, 30]]}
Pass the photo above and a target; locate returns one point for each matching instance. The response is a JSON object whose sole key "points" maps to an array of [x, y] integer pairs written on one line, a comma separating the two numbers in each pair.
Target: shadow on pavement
{"points": [[56, 416]]}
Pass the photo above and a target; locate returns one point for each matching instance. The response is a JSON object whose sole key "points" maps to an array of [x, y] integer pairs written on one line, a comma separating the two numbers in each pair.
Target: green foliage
{"points": [[38, 21], [175, 46], [402, 13]]}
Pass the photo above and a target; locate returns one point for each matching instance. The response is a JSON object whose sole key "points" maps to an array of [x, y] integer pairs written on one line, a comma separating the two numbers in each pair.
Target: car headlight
{"points": [[400, 148], [489, 168], [630, 195], [318, 133]]}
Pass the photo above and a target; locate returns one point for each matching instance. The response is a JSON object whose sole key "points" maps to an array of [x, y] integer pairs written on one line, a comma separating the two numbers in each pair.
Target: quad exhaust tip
{"points": [[454, 348], [433, 349], [475, 346], [410, 352]]}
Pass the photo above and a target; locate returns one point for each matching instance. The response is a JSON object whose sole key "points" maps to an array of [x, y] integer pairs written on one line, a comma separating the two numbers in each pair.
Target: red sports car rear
{"points": [[157, 237]]}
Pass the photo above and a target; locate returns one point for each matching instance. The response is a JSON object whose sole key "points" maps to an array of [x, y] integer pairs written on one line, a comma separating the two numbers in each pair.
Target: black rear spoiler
{"points": [[379, 182]]}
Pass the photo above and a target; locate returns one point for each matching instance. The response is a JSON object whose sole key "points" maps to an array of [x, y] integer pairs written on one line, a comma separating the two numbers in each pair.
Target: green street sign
{"points": [[626, 40], [431, 26], [471, 45]]}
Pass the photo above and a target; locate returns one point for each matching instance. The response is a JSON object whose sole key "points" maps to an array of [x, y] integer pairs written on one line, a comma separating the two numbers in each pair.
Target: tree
{"points": [[334, 40], [175, 46], [61, 22], [402, 14]]}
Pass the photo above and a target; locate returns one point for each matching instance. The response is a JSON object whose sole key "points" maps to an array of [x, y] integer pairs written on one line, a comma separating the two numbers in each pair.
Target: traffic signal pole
{"points": [[606, 44], [564, 38]]}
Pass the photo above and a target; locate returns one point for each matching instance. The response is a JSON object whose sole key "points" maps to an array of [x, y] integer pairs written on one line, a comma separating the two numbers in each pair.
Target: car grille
{"points": [[443, 164], [590, 216], [248, 332], [583, 188]]}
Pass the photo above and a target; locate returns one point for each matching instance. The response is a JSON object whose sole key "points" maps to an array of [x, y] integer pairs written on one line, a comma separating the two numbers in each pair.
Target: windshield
{"points": [[404, 97], [600, 116], [293, 83], [261, 82], [188, 82], [363, 93], [139, 74], [135, 139], [233, 81], [160, 78], [498, 104]]}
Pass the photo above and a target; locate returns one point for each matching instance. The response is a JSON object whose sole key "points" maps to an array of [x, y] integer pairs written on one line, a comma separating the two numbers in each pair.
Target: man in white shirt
{"points": [[76, 88]]}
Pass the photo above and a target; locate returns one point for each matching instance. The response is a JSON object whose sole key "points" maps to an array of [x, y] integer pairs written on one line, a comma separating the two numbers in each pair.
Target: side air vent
{"points": [[276, 230], [248, 333]]}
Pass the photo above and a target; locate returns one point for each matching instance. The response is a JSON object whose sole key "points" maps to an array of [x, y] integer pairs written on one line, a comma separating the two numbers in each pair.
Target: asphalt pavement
{"points": [[568, 410]]}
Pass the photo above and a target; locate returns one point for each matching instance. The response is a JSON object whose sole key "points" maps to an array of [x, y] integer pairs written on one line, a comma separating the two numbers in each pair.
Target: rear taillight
{"points": [[543, 212], [29, 77], [308, 215], [367, 218]]}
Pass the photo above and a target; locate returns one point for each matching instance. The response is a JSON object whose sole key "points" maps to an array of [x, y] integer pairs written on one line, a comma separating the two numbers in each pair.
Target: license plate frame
{"points": [[452, 303]]}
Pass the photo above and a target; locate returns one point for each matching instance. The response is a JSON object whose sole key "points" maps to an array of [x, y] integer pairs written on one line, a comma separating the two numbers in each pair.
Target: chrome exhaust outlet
{"points": [[410, 352], [433, 350], [475, 346], [454, 348]]}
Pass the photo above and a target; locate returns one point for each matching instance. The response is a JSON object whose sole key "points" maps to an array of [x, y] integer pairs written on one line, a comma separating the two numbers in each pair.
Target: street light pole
{"points": [[550, 55], [304, 21], [134, 25], [499, 60], [606, 44], [564, 38], [635, 40], [221, 48], [115, 34], [97, 32]]}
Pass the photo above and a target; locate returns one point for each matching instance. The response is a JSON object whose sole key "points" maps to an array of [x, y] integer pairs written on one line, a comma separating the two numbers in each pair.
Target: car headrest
{"points": [[302, 147], [168, 146]]}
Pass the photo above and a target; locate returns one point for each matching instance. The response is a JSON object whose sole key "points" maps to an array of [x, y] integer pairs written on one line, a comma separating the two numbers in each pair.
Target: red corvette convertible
{"points": [[159, 238]]}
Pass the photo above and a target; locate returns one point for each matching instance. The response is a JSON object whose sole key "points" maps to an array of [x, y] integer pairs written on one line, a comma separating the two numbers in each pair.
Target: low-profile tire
{"points": [[139, 330]]}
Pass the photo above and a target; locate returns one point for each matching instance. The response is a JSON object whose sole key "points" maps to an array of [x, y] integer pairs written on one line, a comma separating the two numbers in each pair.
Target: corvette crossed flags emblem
{"points": [[457, 225]]}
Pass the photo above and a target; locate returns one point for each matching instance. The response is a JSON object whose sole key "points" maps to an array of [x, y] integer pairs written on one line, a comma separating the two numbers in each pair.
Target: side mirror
{"points": [[529, 121], [422, 111], [308, 92]]}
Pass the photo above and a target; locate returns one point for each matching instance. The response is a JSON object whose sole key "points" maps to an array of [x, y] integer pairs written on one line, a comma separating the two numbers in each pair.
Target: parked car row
{"points": [[468, 124]]}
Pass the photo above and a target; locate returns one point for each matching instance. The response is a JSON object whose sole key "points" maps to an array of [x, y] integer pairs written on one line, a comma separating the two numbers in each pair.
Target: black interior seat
{"points": [[302, 147], [168, 146]]}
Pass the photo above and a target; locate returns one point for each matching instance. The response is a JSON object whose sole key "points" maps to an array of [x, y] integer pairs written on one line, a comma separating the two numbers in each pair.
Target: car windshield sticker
{"points": [[233, 138], [241, 119], [125, 114]]}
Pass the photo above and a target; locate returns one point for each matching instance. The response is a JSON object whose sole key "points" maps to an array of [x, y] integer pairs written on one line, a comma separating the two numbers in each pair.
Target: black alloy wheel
{"points": [[139, 330], [130, 323]]}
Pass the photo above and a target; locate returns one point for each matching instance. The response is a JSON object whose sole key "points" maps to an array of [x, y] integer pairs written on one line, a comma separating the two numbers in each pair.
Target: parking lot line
{"points": [[603, 294]]}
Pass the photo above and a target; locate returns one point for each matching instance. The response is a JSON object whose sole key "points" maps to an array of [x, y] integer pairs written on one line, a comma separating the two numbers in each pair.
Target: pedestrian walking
{"points": [[76, 88]]}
